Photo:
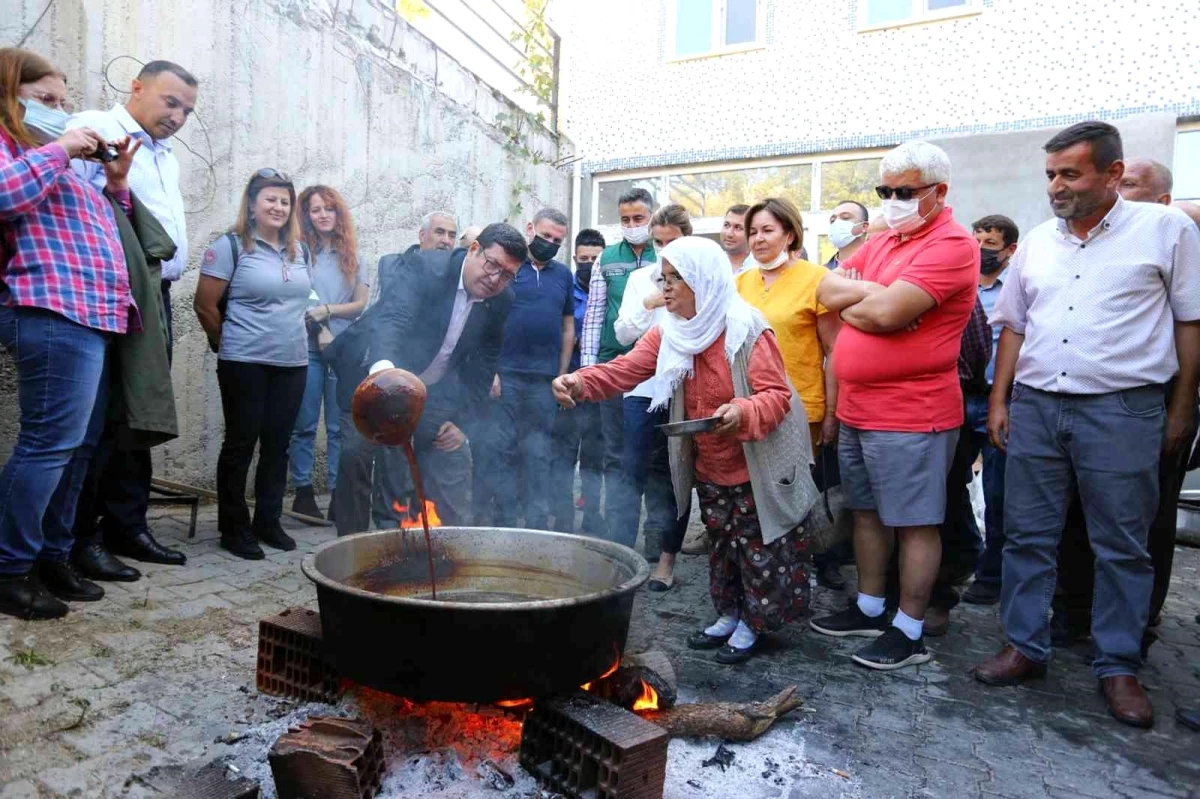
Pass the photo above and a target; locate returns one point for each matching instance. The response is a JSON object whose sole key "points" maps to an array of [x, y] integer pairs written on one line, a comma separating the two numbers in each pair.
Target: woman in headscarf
{"points": [[714, 356]]}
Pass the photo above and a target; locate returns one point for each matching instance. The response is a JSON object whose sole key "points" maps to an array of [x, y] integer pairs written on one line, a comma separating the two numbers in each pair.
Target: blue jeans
{"points": [[646, 472], [576, 439], [62, 388], [522, 437], [988, 569], [1107, 446], [321, 384], [612, 430]]}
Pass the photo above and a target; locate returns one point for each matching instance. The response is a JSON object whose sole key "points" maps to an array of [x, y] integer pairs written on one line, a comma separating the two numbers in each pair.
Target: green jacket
{"points": [[616, 263], [141, 403]]}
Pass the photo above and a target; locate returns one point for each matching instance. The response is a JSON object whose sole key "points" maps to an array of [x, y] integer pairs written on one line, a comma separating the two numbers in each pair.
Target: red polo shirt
{"points": [[908, 381]]}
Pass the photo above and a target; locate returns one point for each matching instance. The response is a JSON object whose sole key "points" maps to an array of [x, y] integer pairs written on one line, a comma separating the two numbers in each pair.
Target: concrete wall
{"points": [[332, 91]]}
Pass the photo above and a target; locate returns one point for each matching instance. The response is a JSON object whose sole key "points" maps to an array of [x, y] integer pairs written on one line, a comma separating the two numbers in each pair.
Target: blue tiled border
{"points": [[810, 146]]}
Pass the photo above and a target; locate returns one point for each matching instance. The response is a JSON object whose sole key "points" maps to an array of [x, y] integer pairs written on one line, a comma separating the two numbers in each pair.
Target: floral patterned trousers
{"points": [[766, 585]]}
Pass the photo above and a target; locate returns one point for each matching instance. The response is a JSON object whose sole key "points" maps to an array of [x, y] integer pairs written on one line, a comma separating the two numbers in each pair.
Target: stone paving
{"points": [[162, 668]]}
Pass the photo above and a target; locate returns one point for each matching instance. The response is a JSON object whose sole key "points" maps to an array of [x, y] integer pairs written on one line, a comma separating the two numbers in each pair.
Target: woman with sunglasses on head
{"points": [[64, 294], [251, 300], [337, 278], [715, 356]]}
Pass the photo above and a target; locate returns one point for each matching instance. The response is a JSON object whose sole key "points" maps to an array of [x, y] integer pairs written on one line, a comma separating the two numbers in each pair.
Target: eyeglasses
{"points": [[494, 270], [902, 193], [267, 173], [50, 101], [668, 280]]}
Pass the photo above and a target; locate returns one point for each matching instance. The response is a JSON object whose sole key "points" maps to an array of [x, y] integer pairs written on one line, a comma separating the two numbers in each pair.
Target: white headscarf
{"points": [[704, 266]]}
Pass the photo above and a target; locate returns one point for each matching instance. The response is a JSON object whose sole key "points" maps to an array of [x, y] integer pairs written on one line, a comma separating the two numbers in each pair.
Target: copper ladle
{"points": [[387, 406]]}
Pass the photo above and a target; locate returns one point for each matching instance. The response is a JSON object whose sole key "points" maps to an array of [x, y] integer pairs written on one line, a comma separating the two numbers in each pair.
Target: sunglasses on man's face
{"points": [[902, 192]]}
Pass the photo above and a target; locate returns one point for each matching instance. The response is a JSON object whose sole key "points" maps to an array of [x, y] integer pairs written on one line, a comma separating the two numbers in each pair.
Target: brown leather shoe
{"points": [[1127, 701], [1009, 667], [937, 622]]}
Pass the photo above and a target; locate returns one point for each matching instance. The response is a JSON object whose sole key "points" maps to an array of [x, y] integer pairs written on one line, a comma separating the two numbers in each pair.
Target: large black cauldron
{"points": [[519, 613]]}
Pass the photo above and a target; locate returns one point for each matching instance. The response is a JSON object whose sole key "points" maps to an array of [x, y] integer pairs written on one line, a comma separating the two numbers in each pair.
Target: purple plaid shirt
{"points": [[59, 247], [975, 349]]}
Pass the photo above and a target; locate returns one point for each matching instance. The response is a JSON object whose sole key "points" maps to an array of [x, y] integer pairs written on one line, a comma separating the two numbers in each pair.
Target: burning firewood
{"points": [[644, 681], [731, 721]]}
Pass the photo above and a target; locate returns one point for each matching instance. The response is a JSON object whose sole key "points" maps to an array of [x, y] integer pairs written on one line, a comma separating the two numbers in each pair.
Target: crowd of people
{"points": [[1067, 361]]}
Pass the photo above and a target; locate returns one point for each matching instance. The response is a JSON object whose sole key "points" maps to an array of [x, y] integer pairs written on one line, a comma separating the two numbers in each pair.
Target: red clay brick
{"points": [[333, 758], [291, 662], [582, 746]]}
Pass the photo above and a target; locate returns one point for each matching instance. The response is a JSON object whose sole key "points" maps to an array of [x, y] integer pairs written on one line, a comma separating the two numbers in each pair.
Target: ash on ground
{"points": [[453, 751]]}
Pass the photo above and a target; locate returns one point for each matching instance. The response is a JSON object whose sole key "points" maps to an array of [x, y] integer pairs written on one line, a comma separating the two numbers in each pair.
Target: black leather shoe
{"points": [[61, 579], [97, 563], [830, 576], [305, 503], [242, 544], [143, 547], [274, 536], [26, 598]]}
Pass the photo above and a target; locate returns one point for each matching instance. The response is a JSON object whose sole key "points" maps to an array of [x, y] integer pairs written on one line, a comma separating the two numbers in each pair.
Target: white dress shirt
{"points": [[633, 320], [436, 369], [154, 177], [1098, 314]]}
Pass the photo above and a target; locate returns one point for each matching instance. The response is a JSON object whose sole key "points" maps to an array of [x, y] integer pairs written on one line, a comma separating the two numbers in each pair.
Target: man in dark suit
{"points": [[442, 318]]}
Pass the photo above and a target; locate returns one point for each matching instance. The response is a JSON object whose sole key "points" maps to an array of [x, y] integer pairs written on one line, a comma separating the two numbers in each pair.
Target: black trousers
{"points": [[261, 404], [116, 493]]}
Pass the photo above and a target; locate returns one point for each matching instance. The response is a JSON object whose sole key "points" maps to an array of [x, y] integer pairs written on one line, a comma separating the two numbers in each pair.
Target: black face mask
{"points": [[583, 275], [989, 261], [541, 250]]}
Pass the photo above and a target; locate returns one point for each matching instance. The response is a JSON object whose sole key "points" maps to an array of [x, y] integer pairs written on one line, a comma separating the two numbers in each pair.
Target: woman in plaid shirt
{"points": [[64, 292]]}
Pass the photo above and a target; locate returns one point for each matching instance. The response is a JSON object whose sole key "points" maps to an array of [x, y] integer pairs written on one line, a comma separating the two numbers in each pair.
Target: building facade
{"points": [[711, 102]]}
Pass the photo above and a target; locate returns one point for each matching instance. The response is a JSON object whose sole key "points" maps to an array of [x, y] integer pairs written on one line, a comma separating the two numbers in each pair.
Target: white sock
{"points": [[870, 605], [722, 627], [908, 625], [743, 637]]}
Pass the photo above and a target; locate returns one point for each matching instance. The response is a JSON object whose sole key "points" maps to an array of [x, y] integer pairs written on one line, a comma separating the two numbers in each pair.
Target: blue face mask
{"points": [[46, 123]]}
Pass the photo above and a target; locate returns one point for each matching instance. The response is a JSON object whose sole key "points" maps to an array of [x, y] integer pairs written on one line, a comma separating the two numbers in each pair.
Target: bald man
{"points": [[1146, 181], [469, 235], [1189, 208]]}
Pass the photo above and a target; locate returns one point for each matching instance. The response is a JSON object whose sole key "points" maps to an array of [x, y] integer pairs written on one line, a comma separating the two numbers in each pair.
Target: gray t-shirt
{"points": [[333, 288], [264, 322]]}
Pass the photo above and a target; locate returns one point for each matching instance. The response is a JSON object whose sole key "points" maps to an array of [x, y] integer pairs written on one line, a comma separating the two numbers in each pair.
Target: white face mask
{"points": [[46, 123], [776, 262], [904, 216], [841, 233], [636, 235]]}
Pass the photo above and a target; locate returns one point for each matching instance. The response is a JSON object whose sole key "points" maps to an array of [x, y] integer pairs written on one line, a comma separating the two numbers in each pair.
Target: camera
{"points": [[106, 153]]}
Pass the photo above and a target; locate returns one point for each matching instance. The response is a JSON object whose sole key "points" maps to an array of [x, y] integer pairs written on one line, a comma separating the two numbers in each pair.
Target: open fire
{"points": [[647, 700], [411, 519]]}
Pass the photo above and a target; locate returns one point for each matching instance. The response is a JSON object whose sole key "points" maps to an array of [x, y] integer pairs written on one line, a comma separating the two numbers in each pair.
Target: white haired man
{"points": [[905, 298]]}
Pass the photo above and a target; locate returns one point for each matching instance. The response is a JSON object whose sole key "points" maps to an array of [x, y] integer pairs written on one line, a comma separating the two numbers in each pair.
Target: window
{"points": [[700, 27], [708, 194], [878, 13], [849, 180], [1187, 165], [611, 191]]}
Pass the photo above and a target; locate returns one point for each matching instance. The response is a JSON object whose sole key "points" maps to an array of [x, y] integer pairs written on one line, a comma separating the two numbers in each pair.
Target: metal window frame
{"points": [[919, 15], [717, 47]]}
